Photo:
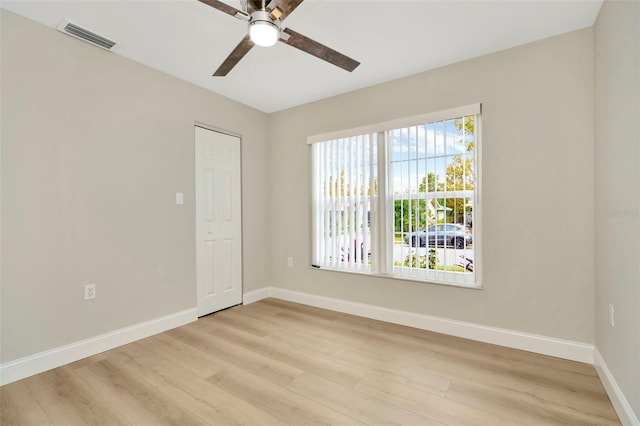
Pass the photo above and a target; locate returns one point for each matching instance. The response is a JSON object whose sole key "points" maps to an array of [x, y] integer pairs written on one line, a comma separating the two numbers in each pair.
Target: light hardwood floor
{"points": [[275, 363]]}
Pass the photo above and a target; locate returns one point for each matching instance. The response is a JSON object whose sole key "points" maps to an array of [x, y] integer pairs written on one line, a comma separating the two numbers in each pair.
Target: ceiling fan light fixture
{"points": [[265, 29], [262, 30]]}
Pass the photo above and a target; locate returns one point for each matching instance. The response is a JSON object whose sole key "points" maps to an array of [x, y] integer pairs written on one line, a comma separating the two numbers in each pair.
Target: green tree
{"points": [[428, 183], [460, 173], [341, 188], [410, 215]]}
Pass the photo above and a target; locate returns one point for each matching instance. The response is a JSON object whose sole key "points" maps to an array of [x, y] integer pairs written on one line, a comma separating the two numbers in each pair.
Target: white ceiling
{"points": [[391, 38]]}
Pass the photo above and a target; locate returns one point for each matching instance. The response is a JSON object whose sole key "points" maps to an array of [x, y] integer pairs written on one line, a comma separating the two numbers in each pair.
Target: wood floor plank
{"points": [[338, 372], [127, 406], [280, 402], [59, 408], [525, 407], [200, 397], [417, 377], [367, 409], [312, 312], [432, 406], [276, 362], [541, 369], [542, 389], [393, 334], [259, 311], [471, 367], [144, 403], [274, 320], [238, 320], [74, 392], [199, 363], [273, 370], [323, 330], [470, 346], [19, 406]]}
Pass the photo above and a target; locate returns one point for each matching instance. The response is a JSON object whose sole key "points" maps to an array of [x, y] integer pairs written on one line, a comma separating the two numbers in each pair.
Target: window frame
{"points": [[383, 216]]}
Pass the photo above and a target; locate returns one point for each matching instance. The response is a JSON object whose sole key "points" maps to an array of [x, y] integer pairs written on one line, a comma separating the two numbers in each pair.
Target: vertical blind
{"points": [[432, 177], [424, 222], [345, 190]]}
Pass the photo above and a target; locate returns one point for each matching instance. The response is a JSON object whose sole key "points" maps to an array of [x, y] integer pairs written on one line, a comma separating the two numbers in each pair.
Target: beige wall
{"points": [[617, 192], [537, 188], [94, 148]]}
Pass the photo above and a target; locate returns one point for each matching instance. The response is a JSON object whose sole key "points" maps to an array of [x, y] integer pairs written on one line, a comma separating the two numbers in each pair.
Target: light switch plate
{"points": [[179, 198]]}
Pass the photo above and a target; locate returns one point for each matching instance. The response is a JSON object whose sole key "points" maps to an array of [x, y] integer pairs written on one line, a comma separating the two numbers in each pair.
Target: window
{"points": [[400, 199]]}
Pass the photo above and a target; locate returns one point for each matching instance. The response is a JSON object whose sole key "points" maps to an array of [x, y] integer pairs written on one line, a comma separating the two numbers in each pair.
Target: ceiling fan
{"points": [[265, 29]]}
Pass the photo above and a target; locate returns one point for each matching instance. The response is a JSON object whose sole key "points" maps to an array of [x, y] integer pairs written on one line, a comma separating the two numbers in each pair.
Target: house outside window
{"points": [[400, 199]]}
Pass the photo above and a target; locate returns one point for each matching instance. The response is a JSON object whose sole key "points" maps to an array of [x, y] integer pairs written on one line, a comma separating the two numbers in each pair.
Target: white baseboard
{"points": [[560, 348], [619, 401], [43, 361], [255, 295], [567, 349]]}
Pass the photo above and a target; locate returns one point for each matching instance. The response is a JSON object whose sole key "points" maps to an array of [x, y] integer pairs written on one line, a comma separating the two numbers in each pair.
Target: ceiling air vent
{"points": [[77, 31]]}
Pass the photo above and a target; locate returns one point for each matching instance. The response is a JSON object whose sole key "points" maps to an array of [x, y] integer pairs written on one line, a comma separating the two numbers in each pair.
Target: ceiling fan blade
{"points": [[318, 50], [223, 7], [234, 57], [285, 6]]}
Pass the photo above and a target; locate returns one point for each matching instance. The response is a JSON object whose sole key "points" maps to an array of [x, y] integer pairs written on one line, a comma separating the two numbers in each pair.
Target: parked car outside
{"points": [[449, 234]]}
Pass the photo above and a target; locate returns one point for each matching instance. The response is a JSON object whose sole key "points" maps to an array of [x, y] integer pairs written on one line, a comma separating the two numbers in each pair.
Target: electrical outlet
{"points": [[290, 262], [612, 318], [89, 291]]}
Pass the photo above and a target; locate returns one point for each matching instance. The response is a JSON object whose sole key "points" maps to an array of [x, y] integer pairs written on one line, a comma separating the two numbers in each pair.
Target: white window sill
{"points": [[476, 286]]}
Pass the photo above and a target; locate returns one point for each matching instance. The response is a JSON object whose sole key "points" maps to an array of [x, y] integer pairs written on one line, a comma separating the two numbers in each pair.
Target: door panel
{"points": [[218, 221]]}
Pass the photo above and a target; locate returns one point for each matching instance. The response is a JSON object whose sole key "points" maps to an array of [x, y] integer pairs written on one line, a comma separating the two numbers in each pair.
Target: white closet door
{"points": [[218, 221]]}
